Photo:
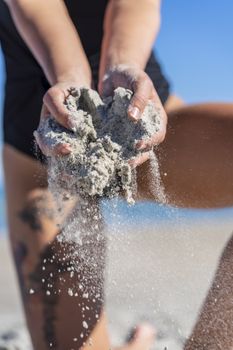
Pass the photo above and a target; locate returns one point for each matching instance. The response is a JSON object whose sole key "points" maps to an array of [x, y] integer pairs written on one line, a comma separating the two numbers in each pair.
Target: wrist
{"points": [[117, 59], [78, 76], [112, 62]]}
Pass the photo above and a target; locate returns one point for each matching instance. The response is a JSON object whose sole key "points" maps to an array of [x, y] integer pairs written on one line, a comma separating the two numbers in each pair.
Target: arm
{"points": [[130, 28], [49, 32]]}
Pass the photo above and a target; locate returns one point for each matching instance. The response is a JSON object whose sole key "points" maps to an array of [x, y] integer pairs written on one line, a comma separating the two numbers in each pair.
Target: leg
{"points": [[54, 319], [196, 161], [214, 329], [55, 307]]}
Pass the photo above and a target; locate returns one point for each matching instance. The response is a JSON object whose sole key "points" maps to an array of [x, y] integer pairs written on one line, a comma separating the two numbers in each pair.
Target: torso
{"points": [[87, 16]]}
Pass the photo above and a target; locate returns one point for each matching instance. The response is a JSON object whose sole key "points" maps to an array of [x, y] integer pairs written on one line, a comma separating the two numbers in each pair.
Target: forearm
{"points": [[50, 34], [130, 29]]}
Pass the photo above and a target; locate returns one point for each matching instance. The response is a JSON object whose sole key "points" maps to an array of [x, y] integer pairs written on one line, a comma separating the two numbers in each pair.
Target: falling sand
{"points": [[102, 143]]}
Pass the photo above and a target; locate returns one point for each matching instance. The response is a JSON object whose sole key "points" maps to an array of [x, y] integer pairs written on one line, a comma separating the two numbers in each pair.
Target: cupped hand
{"points": [[54, 104], [139, 82]]}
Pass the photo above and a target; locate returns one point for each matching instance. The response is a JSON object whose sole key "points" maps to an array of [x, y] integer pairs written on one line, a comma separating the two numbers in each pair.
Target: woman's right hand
{"points": [[53, 104], [135, 79]]}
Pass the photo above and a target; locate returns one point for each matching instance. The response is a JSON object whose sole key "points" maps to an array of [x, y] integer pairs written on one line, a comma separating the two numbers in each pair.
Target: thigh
{"points": [[30, 228], [25, 183], [195, 160], [60, 283]]}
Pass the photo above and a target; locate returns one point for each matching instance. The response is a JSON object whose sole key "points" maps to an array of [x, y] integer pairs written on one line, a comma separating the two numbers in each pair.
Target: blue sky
{"points": [[196, 48]]}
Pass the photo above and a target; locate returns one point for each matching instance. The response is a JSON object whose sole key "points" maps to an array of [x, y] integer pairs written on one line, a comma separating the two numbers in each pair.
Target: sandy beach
{"points": [[160, 273]]}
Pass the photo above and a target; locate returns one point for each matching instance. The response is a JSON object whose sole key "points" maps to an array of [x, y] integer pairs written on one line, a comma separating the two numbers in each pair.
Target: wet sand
{"points": [[160, 274]]}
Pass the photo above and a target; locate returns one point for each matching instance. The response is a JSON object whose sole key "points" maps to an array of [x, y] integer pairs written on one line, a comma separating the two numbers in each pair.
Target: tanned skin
{"points": [[126, 46]]}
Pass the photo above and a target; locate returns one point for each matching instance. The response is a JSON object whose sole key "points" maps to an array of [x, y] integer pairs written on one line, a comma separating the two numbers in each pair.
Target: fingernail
{"points": [[132, 164], [65, 149], [134, 112], [140, 145]]}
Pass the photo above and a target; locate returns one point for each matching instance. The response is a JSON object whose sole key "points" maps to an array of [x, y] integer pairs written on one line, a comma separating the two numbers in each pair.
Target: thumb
{"points": [[54, 101], [142, 93]]}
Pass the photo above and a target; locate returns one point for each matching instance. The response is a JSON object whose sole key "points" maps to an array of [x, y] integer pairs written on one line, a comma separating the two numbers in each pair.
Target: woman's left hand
{"points": [[143, 89]]}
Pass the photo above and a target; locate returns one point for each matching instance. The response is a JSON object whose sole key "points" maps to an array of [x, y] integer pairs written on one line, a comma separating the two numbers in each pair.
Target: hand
{"points": [[139, 82], [53, 104]]}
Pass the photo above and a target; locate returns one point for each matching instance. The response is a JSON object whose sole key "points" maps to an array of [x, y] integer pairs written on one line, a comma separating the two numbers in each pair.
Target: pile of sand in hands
{"points": [[102, 142]]}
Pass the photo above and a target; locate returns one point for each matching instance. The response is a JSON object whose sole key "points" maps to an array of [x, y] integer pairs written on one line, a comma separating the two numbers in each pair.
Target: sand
{"points": [[102, 140], [159, 274], [162, 275]]}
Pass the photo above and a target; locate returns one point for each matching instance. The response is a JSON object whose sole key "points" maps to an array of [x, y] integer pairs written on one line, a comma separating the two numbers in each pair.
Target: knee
{"points": [[36, 209]]}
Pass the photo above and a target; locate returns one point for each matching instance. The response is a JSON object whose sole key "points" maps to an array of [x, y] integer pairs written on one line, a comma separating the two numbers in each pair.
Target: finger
{"points": [[105, 86], [48, 151], [54, 100], [139, 160], [44, 112], [142, 93], [159, 136], [141, 145], [147, 145], [156, 139]]}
